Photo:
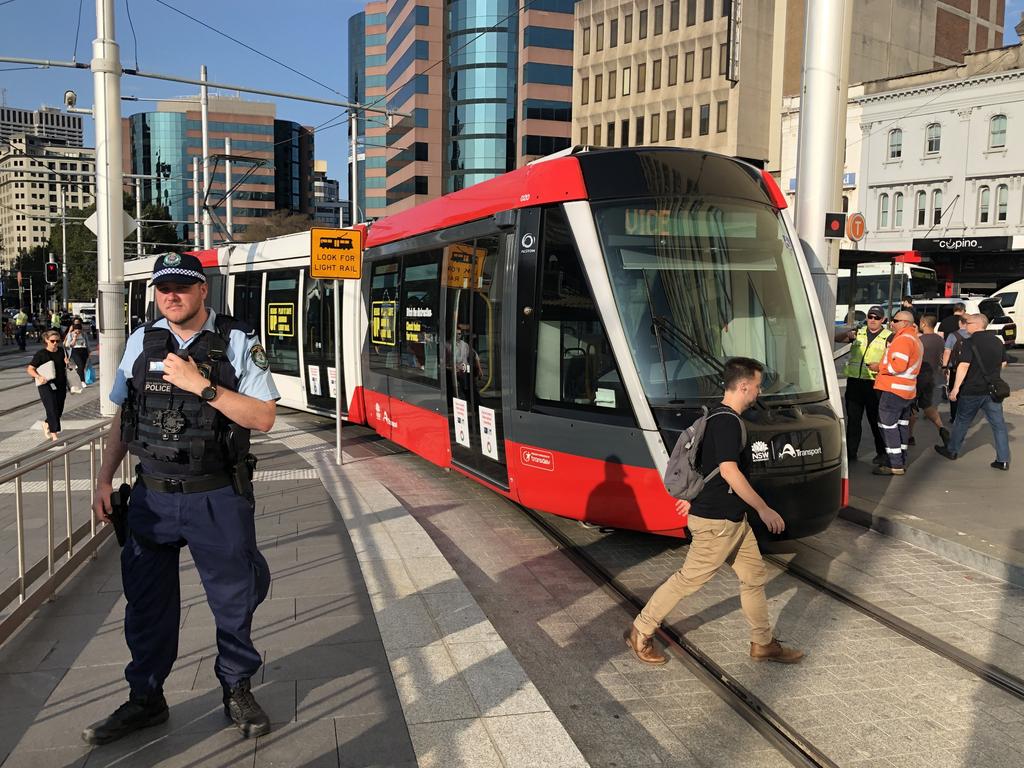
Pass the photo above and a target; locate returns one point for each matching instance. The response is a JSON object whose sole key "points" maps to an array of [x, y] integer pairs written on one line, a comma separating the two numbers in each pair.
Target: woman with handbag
{"points": [[76, 344], [49, 370]]}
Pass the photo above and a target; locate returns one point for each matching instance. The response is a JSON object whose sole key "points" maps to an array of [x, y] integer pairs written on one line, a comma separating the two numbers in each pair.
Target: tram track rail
{"points": [[986, 671], [786, 739]]}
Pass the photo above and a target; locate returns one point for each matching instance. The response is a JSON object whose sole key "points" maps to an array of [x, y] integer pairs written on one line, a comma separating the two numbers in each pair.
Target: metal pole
{"points": [[204, 109], [106, 74], [339, 396], [64, 244], [195, 202], [354, 168], [229, 217], [138, 218], [822, 136]]}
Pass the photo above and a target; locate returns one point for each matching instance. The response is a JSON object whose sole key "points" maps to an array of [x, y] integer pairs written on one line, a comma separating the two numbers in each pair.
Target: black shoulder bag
{"points": [[998, 389]]}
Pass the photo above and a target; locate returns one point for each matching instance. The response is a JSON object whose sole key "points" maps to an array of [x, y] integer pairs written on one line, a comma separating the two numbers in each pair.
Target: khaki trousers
{"points": [[715, 542]]}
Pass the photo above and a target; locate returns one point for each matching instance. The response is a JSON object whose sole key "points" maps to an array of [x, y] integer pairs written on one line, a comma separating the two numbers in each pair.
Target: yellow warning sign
{"points": [[382, 322], [465, 265], [280, 320], [335, 254]]}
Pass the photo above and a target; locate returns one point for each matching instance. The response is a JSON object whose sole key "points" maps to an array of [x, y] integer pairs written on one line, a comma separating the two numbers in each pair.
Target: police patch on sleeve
{"points": [[259, 356]]}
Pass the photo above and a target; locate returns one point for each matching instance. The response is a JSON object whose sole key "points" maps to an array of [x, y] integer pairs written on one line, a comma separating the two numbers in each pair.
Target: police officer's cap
{"points": [[181, 268]]}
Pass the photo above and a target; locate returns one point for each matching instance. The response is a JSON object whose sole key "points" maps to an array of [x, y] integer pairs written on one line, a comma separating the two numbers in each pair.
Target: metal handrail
{"points": [[47, 447], [55, 571]]}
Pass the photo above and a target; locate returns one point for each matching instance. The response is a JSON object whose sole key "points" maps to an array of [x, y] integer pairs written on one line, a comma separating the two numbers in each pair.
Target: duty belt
{"points": [[196, 485]]}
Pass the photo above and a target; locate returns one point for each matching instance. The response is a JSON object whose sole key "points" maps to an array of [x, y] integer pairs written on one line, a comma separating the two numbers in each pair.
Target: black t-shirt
{"points": [[989, 347], [949, 324], [723, 441], [43, 356]]}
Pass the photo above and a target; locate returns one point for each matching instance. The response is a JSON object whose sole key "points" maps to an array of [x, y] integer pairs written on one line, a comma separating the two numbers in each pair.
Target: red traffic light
{"points": [[835, 225], [52, 272]]}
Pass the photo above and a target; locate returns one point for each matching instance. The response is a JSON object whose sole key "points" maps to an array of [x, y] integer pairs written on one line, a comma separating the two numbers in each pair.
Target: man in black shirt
{"points": [[981, 360], [951, 323], [718, 525]]}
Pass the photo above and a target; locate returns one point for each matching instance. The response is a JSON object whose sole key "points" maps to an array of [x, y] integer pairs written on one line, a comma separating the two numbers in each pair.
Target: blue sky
{"points": [[307, 35]]}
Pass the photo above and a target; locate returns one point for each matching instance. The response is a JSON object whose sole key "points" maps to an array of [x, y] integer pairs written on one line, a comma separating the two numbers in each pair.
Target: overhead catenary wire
{"points": [[131, 24], [78, 31]]}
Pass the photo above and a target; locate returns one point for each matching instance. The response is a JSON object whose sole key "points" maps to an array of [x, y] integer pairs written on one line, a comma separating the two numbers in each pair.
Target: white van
{"points": [[1012, 298]]}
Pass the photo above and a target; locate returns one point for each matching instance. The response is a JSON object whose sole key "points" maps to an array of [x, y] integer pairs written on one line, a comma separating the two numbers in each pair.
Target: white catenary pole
{"points": [[229, 217], [204, 109], [195, 202], [339, 398], [138, 218], [106, 76], [64, 244], [822, 137]]}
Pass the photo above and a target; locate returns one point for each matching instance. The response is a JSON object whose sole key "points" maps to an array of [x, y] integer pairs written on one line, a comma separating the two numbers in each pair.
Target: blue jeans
{"points": [[967, 408]]}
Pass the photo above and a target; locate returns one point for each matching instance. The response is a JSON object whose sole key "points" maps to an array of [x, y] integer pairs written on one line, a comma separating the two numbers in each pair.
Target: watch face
{"points": [[209, 393]]}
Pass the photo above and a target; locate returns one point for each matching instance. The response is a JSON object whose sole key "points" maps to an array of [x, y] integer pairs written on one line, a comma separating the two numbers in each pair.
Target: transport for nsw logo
{"points": [[536, 458]]}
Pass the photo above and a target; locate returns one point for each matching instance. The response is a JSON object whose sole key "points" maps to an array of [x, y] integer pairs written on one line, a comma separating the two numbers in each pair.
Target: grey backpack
{"points": [[683, 478]]}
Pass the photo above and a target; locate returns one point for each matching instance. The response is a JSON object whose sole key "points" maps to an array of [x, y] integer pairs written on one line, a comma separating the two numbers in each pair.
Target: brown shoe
{"points": [[775, 651], [643, 647]]}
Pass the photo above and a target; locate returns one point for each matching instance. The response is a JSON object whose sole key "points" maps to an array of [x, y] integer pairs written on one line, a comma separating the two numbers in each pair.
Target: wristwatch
{"points": [[208, 393]]}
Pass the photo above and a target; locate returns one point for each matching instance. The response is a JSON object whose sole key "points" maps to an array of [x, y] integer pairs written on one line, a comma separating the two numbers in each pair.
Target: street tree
{"points": [[281, 222]]}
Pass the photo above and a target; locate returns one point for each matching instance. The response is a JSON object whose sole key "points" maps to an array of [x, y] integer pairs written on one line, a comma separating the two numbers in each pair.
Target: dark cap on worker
{"points": [[876, 312], [181, 268]]}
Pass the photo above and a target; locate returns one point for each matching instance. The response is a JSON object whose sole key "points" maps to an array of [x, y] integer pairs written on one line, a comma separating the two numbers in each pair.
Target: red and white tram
{"points": [[550, 332]]}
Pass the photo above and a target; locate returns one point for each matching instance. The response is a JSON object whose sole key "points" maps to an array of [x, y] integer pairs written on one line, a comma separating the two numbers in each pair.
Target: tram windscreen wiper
{"points": [[690, 345]]}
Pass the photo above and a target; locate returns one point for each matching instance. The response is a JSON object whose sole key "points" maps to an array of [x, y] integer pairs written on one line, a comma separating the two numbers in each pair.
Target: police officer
{"points": [[190, 385], [866, 352]]}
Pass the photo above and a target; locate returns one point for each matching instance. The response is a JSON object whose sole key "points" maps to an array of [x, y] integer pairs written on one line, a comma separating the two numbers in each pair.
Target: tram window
{"points": [[246, 300], [137, 305], [575, 366], [215, 291], [281, 316], [318, 319], [383, 314], [419, 330]]}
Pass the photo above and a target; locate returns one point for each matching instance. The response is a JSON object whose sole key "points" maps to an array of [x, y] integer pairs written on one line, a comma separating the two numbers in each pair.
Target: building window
{"points": [[624, 133], [673, 70], [936, 207], [705, 119], [641, 78], [659, 18], [670, 125], [610, 135], [687, 122], [655, 127], [625, 81], [705, 63], [691, 12], [1002, 201], [611, 84], [922, 208], [722, 118], [586, 40], [598, 88], [599, 33], [897, 210], [585, 90], [584, 131], [640, 130], [613, 33], [642, 32], [997, 132], [895, 144], [627, 28], [983, 203], [597, 135], [933, 134], [723, 59], [673, 15], [688, 67], [883, 212], [656, 75]]}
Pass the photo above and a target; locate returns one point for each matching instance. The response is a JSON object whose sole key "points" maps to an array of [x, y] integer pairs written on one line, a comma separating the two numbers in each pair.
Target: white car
{"points": [[988, 306]]}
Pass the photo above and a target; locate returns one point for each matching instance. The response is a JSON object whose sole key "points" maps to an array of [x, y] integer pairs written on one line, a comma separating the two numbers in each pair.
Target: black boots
{"points": [[138, 712], [241, 706]]}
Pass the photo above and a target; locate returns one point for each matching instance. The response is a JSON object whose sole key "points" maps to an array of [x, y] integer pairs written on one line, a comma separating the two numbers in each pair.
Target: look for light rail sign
{"points": [[335, 254]]}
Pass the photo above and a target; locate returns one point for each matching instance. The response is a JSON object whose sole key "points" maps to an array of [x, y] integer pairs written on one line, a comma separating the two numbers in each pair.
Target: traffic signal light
{"points": [[52, 272]]}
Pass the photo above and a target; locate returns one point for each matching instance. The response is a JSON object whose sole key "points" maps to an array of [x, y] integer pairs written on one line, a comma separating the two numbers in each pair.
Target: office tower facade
{"points": [[46, 122]]}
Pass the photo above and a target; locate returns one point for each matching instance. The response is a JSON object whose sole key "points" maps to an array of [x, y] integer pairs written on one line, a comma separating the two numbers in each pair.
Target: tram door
{"points": [[323, 381], [475, 381]]}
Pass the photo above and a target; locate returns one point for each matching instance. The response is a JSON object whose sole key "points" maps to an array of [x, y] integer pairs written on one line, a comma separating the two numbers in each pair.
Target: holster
{"points": [[241, 478], [119, 512]]}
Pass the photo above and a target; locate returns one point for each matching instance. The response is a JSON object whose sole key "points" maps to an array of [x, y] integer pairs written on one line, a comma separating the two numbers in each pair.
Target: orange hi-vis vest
{"points": [[897, 373]]}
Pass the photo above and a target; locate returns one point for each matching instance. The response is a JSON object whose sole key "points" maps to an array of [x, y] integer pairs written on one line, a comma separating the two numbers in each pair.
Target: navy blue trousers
{"points": [[220, 532]]}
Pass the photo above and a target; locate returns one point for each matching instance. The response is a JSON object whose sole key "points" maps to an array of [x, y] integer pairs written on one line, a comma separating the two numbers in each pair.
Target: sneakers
{"points": [[942, 450], [643, 648], [243, 710], [891, 471], [1003, 465], [136, 713], [775, 651]]}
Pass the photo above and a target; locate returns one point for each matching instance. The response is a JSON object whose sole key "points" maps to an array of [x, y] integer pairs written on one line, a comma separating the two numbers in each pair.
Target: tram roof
{"points": [[584, 175]]}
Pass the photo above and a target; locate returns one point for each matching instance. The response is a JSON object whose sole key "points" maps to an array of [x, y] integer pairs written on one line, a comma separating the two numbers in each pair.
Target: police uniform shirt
{"points": [[253, 380]]}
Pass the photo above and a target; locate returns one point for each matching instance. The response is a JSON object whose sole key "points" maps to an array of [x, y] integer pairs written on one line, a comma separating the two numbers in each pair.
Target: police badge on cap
{"points": [[184, 269]]}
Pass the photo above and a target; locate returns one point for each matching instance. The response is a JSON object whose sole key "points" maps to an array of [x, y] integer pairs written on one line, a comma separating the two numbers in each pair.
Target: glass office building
{"points": [[159, 148]]}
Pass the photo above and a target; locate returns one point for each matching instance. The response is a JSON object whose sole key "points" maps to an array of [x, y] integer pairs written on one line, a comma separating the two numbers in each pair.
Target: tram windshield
{"points": [[698, 280]]}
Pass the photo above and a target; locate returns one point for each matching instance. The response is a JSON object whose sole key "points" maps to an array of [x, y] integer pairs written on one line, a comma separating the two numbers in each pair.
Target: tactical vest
{"points": [[175, 433], [862, 353]]}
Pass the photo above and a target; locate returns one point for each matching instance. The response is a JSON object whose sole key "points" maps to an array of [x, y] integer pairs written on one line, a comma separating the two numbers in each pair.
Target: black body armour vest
{"points": [[175, 433]]}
